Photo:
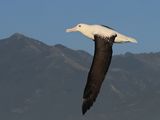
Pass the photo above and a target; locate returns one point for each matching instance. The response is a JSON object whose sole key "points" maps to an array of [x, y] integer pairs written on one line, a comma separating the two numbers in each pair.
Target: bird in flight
{"points": [[103, 37]]}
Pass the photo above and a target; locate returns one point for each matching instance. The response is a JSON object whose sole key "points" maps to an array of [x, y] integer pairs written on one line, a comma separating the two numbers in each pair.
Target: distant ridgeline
{"points": [[42, 82]]}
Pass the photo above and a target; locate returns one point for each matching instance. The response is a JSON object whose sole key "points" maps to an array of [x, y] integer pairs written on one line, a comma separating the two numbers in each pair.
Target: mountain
{"points": [[42, 82]]}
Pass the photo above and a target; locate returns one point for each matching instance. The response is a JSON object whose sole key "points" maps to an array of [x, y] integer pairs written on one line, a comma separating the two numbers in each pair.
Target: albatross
{"points": [[103, 37]]}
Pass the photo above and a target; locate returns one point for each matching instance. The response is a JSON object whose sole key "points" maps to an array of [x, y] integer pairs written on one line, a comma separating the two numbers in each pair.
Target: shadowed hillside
{"points": [[42, 82]]}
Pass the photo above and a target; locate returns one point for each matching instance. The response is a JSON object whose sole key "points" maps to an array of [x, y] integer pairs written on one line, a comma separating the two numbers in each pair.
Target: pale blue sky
{"points": [[46, 20]]}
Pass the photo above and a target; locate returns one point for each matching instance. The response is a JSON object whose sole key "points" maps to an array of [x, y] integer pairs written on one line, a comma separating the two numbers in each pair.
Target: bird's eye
{"points": [[79, 25]]}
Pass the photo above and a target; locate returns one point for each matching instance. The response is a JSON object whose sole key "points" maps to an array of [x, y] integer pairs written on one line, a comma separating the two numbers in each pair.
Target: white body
{"points": [[90, 30]]}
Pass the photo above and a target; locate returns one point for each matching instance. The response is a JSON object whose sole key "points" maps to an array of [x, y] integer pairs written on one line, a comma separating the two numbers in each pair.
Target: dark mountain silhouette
{"points": [[42, 82]]}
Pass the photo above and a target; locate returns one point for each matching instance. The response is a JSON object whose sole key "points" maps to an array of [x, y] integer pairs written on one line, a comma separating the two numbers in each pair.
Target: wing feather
{"points": [[100, 64], [108, 27]]}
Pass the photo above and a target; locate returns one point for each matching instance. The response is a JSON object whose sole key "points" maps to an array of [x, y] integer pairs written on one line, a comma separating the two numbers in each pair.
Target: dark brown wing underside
{"points": [[98, 70]]}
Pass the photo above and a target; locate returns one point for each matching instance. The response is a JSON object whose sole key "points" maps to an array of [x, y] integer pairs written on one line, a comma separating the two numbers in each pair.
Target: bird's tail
{"points": [[132, 40], [122, 38]]}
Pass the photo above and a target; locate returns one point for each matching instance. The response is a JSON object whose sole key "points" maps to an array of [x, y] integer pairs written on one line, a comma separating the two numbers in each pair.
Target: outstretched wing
{"points": [[107, 27], [98, 70]]}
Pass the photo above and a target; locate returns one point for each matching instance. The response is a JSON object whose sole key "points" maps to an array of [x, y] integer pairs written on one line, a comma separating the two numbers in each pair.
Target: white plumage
{"points": [[91, 30], [103, 37]]}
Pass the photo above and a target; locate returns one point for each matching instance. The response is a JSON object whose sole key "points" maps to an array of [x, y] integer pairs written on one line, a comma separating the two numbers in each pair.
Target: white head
{"points": [[83, 28], [78, 28]]}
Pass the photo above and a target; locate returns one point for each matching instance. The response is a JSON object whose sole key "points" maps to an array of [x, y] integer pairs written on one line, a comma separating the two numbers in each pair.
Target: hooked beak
{"points": [[74, 29]]}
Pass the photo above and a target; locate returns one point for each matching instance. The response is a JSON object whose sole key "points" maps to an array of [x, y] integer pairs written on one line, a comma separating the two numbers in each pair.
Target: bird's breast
{"points": [[88, 34]]}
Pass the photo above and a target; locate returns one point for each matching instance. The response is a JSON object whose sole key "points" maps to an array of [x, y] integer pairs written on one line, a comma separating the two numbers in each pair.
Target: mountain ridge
{"points": [[38, 81]]}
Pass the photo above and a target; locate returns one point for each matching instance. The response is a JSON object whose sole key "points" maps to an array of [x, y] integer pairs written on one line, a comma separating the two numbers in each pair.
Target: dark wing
{"points": [[107, 27], [99, 67]]}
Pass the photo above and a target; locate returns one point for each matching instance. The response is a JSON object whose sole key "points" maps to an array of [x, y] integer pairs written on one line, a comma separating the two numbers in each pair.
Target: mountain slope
{"points": [[38, 81]]}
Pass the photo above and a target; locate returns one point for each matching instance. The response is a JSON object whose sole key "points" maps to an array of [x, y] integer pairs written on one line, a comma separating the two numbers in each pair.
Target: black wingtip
{"points": [[84, 108], [83, 111], [86, 105]]}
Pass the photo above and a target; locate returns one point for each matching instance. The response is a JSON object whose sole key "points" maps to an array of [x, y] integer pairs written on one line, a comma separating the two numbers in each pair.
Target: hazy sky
{"points": [[46, 20]]}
